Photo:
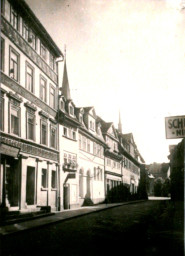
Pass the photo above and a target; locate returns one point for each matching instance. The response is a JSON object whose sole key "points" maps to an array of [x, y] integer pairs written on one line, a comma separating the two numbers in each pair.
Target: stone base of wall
{"points": [[98, 200]]}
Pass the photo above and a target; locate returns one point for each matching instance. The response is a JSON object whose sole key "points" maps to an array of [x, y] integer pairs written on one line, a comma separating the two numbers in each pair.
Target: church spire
{"points": [[119, 124], [65, 83]]}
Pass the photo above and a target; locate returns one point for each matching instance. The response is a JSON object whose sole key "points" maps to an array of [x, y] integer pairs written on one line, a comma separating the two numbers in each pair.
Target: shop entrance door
{"points": [[30, 185]]}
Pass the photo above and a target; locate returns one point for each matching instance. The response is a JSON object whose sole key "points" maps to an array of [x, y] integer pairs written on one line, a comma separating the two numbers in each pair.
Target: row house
{"points": [[29, 103], [52, 153]]}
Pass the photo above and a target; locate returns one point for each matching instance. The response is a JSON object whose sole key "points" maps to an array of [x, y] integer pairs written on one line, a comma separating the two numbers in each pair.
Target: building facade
{"points": [[29, 130], [53, 153]]}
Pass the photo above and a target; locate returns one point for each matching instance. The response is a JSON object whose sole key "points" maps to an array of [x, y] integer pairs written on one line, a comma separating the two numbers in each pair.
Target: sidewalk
{"points": [[58, 217]]}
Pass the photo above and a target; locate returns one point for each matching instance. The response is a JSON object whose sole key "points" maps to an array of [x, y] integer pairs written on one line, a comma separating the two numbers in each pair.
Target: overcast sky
{"points": [[127, 55]]}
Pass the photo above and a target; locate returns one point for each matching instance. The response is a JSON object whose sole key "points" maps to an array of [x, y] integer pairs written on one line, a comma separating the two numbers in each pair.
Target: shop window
{"points": [[52, 97], [2, 54], [43, 132], [54, 179], [14, 65], [43, 89], [29, 78], [53, 137], [30, 126], [44, 178]]}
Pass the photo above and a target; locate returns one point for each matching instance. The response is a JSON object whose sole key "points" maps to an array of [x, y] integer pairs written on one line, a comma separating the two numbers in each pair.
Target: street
{"points": [[132, 229]]}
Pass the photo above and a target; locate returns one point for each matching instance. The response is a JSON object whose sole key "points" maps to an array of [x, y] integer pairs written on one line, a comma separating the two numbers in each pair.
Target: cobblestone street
{"points": [[135, 228]]}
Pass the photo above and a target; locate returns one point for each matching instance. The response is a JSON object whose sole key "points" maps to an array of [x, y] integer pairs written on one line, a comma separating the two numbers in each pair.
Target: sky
{"points": [[127, 56]]}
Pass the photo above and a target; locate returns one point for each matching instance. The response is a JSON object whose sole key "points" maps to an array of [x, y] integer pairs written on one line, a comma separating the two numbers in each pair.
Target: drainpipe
{"points": [[60, 59]]}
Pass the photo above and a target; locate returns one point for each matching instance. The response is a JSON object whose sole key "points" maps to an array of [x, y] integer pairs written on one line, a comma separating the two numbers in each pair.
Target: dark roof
{"points": [[65, 84], [104, 125], [22, 7]]}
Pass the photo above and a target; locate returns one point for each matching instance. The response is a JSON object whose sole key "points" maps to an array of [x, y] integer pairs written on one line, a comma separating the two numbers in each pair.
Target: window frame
{"points": [[42, 47], [33, 77], [12, 50], [2, 53], [43, 122], [2, 112], [12, 13], [43, 98], [32, 114], [51, 87], [52, 127]]}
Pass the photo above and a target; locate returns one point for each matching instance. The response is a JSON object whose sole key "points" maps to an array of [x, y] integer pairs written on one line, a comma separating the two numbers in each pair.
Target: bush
{"points": [[118, 194]]}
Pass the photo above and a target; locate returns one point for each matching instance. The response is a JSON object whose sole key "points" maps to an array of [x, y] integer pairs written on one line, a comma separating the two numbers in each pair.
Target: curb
{"points": [[70, 217]]}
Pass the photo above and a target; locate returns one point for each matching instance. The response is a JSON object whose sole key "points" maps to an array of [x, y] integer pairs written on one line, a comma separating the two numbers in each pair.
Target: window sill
{"points": [[53, 189], [68, 138], [44, 189]]}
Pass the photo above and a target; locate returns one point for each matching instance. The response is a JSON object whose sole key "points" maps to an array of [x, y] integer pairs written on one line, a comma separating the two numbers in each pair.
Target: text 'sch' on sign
{"points": [[175, 127]]}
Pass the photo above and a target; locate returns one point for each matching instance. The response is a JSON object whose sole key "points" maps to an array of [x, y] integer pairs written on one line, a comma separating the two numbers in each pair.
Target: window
{"points": [[44, 178], [80, 141], [25, 31], [51, 61], [84, 143], [52, 97], [81, 183], [43, 95], [32, 39], [71, 110], [53, 179], [1, 112], [80, 118], [95, 173], [108, 162], [65, 131], [15, 121], [43, 132], [43, 51], [88, 145], [30, 126], [53, 137], [62, 105], [29, 78], [2, 54], [14, 65], [95, 148], [74, 135], [14, 18]]}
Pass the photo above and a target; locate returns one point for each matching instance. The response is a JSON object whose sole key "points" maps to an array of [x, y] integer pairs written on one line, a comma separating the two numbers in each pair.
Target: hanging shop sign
{"points": [[175, 127]]}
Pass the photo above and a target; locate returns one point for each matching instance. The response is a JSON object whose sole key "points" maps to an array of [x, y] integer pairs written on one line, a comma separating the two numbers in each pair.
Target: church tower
{"points": [[119, 124], [65, 84]]}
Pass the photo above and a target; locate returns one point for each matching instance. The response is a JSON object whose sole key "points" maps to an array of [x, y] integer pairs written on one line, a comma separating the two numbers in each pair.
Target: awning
{"points": [[9, 151]]}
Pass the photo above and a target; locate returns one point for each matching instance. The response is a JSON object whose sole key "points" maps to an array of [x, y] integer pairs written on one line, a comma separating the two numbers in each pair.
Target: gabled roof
{"points": [[104, 125]]}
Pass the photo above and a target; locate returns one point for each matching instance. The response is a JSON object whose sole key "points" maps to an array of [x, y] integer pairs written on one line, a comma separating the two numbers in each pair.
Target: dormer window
{"points": [[80, 118], [71, 110], [92, 126], [62, 104]]}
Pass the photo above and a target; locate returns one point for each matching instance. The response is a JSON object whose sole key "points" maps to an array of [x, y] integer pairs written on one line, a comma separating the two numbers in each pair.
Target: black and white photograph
{"points": [[92, 127]]}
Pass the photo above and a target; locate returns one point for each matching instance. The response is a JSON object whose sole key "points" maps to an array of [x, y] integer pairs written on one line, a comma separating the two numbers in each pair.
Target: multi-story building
{"points": [[91, 157], [29, 130], [52, 153], [113, 159], [131, 161]]}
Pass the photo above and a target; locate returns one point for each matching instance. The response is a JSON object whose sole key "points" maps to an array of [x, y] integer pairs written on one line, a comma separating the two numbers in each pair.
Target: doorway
{"points": [[30, 185]]}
